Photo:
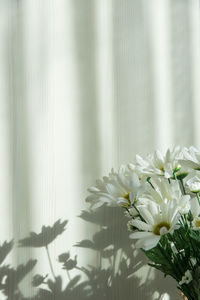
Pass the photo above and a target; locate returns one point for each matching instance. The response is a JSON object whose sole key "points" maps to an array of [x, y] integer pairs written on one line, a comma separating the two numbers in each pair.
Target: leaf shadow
{"points": [[117, 274]]}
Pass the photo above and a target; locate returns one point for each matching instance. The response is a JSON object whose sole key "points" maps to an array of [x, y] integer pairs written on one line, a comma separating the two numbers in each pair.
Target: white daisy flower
{"points": [[195, 207], [158, 221], [136, 169], [119, 188], [187, 277], [193, 182], [195, 210], [165, 192], [158, 164], [191, 158], [196, 223]]}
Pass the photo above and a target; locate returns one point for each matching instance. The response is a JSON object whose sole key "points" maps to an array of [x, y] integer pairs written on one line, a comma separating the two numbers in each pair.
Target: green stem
{"points": [[179, 265], [50, 262], [142, 219], [175, 177], [181, 254], [128, 212], [182, 185], [175, 275], [194, 247], [179, 262], [149, 181]]}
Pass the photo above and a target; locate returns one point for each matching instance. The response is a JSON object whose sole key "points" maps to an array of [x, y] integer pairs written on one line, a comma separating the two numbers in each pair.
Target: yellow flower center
{"points": [[128, 200], [159, 226], [162, 169], [197, 223]]}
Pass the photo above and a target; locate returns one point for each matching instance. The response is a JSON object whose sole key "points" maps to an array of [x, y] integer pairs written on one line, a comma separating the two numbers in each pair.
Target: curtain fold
{"points": [[84, 86]]}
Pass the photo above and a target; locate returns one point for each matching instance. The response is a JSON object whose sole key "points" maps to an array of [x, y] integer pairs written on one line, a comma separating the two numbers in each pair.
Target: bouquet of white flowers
{"points": [[161, 196]]}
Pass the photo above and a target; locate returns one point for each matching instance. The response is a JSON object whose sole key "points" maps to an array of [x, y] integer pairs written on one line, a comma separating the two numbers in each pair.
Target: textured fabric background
{"points": [[84, 86]]}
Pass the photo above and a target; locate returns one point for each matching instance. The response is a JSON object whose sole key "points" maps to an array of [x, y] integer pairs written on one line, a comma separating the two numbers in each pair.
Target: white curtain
{"points": [[84, 86]]}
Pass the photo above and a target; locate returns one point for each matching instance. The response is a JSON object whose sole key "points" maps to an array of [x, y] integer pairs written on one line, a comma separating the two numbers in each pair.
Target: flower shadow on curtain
{"points": [[113, 277]]}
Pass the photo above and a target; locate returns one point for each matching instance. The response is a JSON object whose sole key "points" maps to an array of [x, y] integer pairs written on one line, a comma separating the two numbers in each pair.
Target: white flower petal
{"points": [[148, 243], [141, 161], [142, 225], [146, 215], [140, 235], [195, 208], [153, 208], [189, 164], [135, 182]]}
